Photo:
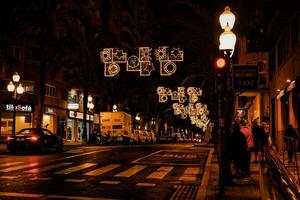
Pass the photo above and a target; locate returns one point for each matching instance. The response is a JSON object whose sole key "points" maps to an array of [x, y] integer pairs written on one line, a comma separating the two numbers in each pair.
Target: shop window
{"points": [[50, 90]]}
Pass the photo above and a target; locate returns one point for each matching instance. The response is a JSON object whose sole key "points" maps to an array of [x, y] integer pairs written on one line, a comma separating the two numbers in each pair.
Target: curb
{"points": [[202, 190]]}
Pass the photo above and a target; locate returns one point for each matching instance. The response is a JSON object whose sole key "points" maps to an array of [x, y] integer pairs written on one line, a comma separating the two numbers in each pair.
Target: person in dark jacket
{"points": [[258, 141], [238, 149], [290, 137]]}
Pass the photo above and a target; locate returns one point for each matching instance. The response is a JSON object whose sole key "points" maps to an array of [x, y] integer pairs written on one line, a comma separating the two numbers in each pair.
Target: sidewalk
{"points": [[259, 185]]}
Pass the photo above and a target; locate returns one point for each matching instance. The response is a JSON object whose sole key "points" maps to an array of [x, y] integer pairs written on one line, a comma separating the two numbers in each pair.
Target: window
{"points": [[50, 90], [64, 94], [294, 32], [16, 52], [272, 63]]}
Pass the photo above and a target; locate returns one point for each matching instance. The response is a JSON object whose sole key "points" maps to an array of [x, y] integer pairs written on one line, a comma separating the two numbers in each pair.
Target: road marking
{"points": [[82, 154], [9, 164], [151, 154], [10, 169], [131, 171], [14, 194], [39, 179], [74, 180], [8, 177], [49, 167], [110, 182], [45, 196], [75, 169], [102, 170], [160, 173], [75, 197], [190, 174], [146, 184]]}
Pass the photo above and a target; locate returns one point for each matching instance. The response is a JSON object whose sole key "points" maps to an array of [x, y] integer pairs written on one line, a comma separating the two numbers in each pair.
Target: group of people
{"points": [[245, 140]]}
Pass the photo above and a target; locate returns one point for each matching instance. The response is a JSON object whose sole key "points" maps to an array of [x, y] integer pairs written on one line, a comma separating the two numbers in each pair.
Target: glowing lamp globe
{"points": [[227, 18], [10, 87]]}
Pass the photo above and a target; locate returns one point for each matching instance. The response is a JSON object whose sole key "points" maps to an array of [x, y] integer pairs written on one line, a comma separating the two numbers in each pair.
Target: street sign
{"points": [[245, 77]]}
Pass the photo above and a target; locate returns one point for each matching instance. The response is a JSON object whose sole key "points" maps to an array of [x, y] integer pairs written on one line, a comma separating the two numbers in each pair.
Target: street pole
{"points": [[223, 64]]}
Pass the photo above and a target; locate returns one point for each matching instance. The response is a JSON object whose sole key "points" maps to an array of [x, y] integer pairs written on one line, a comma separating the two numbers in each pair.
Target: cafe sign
{"points": [[9, 107]]}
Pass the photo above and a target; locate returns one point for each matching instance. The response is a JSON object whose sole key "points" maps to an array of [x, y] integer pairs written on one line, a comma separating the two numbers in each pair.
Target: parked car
{"points": [[39, 139]]}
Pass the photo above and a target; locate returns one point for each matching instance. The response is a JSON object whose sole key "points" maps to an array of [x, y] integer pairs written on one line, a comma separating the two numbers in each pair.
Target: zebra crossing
{"points": [[110, 172]]}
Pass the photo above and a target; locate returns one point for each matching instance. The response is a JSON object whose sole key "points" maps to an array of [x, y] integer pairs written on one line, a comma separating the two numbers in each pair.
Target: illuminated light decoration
{"points": [[146, 68], [167, 59], [111, 69], [106, 55], [133, 64], [194, 93], [163, 94], [197, 112], [113, 57]]}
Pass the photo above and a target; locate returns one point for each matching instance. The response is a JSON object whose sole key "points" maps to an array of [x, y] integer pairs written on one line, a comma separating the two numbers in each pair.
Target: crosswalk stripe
{"points": [[74, 180], [8, 177], [9, 164], [146, 184], [131, 171], [39, 179], [75, 169], [49, 167], [160, 173], [15, 168], [190, 174], [110, 182], [102, 170]]}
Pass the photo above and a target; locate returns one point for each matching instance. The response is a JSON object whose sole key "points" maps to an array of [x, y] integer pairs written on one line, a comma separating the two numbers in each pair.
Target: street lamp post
{"points": [[227, 43], [16, 90]]}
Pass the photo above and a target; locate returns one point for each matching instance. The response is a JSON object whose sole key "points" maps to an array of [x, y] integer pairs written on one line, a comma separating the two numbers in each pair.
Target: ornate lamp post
{"points": [[16, 90], [227, 43]]}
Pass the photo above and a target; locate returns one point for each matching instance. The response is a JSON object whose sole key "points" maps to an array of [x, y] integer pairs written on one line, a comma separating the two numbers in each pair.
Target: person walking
{"points": [[238, 150], [267, 141], [258, 142], [249, 138], [290, 137]]}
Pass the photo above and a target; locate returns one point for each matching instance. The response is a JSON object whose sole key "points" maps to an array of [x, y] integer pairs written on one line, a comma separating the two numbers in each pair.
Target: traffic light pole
{"points": [[224, 125]]}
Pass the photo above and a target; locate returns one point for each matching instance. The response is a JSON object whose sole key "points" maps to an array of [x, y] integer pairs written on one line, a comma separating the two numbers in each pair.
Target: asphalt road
{"points": [[110, 172]]}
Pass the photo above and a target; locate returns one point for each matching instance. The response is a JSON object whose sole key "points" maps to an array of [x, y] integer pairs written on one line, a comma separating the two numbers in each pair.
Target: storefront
{"points": [[54, 119], [287, 111], [23, 117], [75, 126]]}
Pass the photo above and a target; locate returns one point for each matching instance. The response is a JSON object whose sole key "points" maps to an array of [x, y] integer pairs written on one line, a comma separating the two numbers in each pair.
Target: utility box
{"points": [[117, 125]]}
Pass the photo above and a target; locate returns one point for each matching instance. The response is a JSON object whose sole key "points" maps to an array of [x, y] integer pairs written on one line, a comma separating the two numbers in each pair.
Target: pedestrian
{"points": [[290, 137], [238, 150], [249, 138], [267, 141], [258, 142]]}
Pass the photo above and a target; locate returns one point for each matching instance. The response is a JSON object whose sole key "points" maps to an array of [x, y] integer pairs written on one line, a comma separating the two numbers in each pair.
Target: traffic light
{"points": [[221, 64]]}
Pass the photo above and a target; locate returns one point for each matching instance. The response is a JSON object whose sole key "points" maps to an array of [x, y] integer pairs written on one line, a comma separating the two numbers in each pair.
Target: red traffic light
{"points": [[220, 62]]}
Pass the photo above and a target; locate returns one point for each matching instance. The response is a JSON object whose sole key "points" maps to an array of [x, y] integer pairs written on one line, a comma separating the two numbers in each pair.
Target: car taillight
{"points": [[10, 138], [33, 138]]}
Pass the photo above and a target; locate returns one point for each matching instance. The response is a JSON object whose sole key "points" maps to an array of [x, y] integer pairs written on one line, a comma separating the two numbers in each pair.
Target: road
{"points": [[105, 172]]}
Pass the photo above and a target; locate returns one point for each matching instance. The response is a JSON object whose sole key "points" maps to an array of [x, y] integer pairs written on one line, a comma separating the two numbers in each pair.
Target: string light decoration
{"points": [[142, 61], [197, 112]]}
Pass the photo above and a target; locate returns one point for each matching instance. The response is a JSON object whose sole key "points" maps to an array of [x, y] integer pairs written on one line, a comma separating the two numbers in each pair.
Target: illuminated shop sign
{"points": [[79, 115], [73, 106], [18, 107], [50, 110]]}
